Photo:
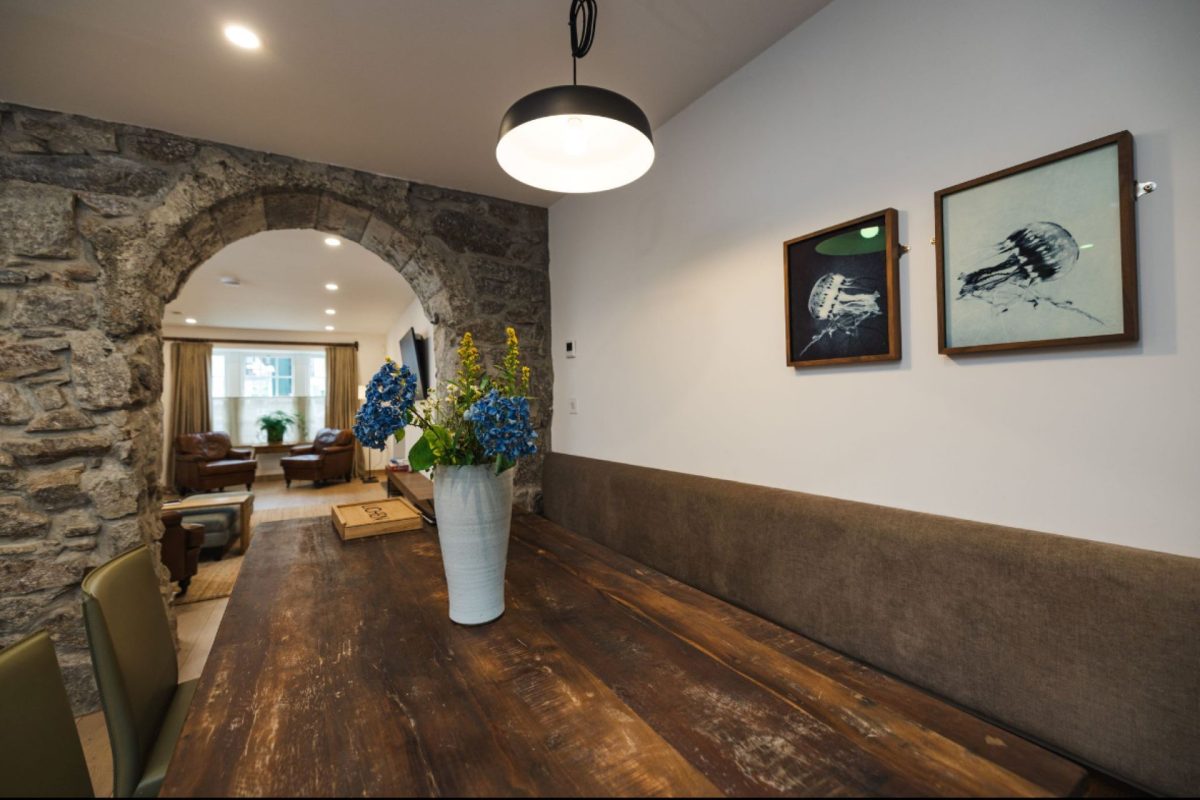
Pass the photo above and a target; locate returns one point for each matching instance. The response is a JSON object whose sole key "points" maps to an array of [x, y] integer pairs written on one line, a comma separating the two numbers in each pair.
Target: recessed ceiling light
{"points": [[333, 287], [190, 320], [333, 241], [331, 311], [230, 280], [328, 327], [243, 37]]}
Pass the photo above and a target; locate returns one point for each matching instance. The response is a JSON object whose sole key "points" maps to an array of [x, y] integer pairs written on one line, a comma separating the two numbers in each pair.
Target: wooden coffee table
{"points": [[244, 501]]}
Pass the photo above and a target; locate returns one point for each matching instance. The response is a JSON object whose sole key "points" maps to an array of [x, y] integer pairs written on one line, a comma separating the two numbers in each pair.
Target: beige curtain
{"points": [[191, 396], [341, 393]]}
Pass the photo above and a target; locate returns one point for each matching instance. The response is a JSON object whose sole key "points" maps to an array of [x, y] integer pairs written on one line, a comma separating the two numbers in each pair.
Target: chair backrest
{"points": [[40, 754], [1090, 647], [209, 446], [134, 657], [331, 437]]}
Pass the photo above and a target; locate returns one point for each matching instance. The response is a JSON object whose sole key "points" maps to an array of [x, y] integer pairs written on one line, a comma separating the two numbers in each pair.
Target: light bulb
{"points": [[243, 37], [576, 140]]}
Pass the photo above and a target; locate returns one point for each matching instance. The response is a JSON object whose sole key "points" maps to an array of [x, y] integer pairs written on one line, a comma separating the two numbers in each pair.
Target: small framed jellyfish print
{"points": [[1041, 254], [842, 288]]}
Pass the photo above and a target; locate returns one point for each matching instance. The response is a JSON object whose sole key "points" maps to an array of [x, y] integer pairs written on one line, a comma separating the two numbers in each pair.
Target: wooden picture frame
{"points": [[842, 303], [1042, 254]]}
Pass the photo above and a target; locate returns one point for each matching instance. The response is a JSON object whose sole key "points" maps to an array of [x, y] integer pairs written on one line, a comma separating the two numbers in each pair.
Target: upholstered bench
{"points": [[221, 526], [1091, 649]]}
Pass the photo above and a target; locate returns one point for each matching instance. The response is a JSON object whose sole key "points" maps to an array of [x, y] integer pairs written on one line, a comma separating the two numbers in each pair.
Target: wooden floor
{"points": [[198, 622]]}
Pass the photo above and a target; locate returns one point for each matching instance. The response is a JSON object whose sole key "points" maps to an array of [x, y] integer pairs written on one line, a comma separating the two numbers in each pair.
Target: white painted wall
{"points": [[411, 317], [370, 356], [673, 288]]}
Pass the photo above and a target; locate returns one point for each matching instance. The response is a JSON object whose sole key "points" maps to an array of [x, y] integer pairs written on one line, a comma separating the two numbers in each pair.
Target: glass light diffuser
{"points": [[575, 139]]}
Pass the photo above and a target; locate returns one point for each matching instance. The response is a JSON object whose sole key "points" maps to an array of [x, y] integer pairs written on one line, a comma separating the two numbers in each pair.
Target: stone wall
{"points": [[100, 225]]}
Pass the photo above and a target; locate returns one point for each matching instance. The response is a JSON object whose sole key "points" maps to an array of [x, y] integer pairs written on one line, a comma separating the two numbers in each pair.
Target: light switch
{"points": [[571, 349]]}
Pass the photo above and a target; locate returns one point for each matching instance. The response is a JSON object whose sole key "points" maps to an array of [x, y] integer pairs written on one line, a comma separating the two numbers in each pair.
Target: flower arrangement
{"points": [[476, 419]]}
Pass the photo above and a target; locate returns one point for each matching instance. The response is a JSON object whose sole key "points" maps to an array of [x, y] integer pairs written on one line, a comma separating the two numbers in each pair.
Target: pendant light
{"points": [[576, 138]]}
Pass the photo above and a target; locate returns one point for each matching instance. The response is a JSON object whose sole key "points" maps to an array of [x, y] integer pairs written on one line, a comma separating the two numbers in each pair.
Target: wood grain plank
{"points": [[1009, 750], [909, 748], [337, 671]]}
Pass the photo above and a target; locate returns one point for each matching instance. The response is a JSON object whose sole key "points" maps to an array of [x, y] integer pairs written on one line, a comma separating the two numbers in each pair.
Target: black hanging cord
{"points": [[583, 32]]}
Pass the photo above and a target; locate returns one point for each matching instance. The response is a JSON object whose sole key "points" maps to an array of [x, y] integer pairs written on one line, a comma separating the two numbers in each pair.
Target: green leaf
{"points": [[420, 455]]}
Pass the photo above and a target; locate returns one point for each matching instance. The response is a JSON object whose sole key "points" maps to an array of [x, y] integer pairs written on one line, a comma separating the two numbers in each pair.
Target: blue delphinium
{"points": [[502, 426], [390, 396]]}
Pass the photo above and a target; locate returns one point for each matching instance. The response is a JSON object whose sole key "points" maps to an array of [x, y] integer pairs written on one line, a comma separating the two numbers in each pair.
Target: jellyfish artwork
{"points": [[840, 305], [1014, 270]]}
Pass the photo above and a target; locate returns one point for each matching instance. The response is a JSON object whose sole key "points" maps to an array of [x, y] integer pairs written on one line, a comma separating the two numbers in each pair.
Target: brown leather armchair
{"points": [[180, 548], [207, 461], [331, 455]]}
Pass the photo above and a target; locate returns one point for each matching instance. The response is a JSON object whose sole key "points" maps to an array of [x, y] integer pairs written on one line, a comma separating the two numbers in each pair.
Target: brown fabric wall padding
{"points": [[1089, 647]]}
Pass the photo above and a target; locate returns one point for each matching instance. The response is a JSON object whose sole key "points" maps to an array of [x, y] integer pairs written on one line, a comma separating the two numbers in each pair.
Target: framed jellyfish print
{"points": [[842, 289], [1041, 254]]}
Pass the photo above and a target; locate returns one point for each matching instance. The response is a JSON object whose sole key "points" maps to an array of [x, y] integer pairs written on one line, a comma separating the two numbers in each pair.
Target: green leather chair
{"points": [[134, 657], [40, 754]]}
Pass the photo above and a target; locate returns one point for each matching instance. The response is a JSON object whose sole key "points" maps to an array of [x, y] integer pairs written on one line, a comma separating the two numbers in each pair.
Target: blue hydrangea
{"points": [[390, 396], [502, 426]]}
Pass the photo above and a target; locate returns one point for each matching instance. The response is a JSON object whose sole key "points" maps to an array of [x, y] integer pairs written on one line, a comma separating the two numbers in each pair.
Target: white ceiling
{"points": [[283, 276], [410, 88]]}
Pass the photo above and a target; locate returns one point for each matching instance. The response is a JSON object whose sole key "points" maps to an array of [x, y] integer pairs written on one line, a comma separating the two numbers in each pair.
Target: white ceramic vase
{"points": [[474, 512]]}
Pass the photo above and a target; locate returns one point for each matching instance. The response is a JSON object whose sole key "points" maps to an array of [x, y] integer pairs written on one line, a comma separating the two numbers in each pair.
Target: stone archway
{"points": [[100, 225]]}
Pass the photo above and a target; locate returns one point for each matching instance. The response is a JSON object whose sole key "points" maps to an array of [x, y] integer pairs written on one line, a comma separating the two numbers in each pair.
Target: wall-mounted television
{"points": [[414, 354]]}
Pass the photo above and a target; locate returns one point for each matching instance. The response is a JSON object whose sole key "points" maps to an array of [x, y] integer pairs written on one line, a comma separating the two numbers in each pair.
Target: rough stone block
{"points": [[54, 306], [57, 489], [48, 449], [18, 521], [20, 360], [37, 220], [165, 149], [63, 133], [290, 210], [107, 174], [49, 397], [111, 491], [63, 419], [240, 217], [101, 376], [75, 524], [347, 221], [14, 408]]}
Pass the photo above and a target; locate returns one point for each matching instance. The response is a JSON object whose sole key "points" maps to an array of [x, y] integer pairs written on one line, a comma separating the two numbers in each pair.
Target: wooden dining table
{"points": [[336, 671]]}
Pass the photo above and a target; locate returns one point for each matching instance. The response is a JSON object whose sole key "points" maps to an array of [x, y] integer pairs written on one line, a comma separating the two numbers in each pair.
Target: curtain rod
{"points": [[259, 341]]}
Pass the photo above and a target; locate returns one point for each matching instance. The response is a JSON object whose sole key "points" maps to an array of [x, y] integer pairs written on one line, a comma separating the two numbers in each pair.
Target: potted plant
{"points": [[473, 431], [275, 424]]}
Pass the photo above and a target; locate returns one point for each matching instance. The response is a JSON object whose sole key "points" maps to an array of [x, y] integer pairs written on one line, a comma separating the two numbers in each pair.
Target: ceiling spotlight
{"points": [[332, 287], [333, 241], [190, 320], [242, 37], [574, 138], [229, 280], [331, 311], [328, 327]]}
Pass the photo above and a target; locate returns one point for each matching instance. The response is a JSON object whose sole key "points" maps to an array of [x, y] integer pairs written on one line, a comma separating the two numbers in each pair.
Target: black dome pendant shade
{"points": [[575, 138]]}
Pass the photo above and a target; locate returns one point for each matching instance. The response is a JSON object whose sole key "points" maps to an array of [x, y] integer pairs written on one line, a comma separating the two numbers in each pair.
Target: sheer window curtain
{"points": [[341, 393], [190, 394]]}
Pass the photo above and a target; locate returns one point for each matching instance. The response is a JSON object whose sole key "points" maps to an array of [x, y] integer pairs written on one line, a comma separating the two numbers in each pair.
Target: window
{"points": [[248, 383]]}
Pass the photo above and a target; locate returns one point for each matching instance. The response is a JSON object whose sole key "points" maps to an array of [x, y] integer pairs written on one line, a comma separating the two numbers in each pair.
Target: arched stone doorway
{"points": [[102, 224]]}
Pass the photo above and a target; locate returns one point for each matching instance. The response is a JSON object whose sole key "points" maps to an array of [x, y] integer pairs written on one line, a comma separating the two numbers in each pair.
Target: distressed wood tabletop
{"points": [[336, 671]]}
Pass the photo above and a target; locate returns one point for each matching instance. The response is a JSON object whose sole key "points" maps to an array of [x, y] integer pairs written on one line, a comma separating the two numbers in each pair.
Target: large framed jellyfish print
{"points": [[1041, 254], [842, 292]]}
